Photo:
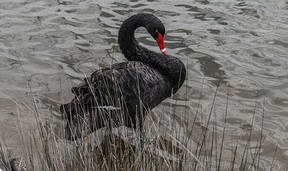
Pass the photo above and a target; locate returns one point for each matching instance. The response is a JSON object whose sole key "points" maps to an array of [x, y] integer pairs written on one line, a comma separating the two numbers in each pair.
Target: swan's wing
{"points": [[128, 79], [97, 76], [131, 83], [94, 87]]}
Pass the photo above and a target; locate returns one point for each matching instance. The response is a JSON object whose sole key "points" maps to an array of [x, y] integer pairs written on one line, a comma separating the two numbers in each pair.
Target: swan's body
{"points": [[133, 87]]}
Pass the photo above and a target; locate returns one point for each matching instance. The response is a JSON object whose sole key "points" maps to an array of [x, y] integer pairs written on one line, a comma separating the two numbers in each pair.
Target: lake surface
{"points": [[48, 46]]}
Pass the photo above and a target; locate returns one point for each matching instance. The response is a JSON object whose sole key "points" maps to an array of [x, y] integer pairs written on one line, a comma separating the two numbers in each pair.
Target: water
{"points": [[49, 46]]}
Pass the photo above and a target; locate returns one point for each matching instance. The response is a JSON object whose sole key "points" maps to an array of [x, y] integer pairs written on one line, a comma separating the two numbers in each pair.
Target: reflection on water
{"points": [[49, 46]]}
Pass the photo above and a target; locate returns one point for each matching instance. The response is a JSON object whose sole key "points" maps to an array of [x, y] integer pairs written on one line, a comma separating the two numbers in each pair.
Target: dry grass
{"points": [[121, 149]]}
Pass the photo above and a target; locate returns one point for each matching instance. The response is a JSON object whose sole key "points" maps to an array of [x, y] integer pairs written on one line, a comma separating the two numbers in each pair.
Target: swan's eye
{"points": [[161, 31]]}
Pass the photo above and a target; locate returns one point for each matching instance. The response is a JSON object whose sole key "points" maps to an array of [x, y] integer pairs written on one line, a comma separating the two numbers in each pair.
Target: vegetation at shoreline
{"points": [[202, 148]]}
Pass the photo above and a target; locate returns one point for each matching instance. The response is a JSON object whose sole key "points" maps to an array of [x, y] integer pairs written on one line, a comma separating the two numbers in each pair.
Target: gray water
{"points": [[47, 46]]}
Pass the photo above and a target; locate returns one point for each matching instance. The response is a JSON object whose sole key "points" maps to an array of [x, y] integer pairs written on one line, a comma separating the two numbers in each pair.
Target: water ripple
{"points": [[243, 44]]}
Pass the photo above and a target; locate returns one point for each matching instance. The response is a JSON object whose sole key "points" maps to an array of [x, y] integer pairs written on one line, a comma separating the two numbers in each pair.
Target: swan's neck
{"points": [[126, 39], [167, 65]]}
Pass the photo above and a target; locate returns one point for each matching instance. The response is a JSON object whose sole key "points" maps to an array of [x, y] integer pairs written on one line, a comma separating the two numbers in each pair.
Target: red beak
{"points": [[160, 41]]}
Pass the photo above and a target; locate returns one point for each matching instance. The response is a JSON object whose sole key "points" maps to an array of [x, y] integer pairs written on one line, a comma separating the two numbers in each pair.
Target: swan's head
{"points": [[157, 31]]}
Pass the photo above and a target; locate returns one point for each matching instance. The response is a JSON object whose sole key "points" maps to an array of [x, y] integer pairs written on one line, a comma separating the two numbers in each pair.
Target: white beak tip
{"points": [[163, 50]]}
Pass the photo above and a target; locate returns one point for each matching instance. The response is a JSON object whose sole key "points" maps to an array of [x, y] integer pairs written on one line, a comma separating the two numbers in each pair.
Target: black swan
{"points": [[123, 93]]}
